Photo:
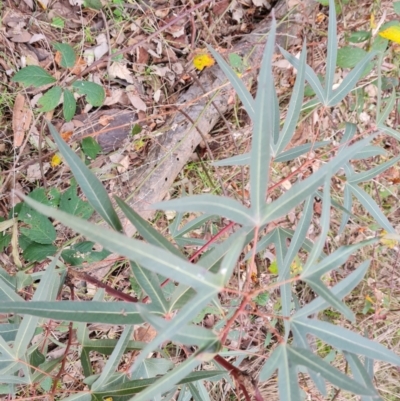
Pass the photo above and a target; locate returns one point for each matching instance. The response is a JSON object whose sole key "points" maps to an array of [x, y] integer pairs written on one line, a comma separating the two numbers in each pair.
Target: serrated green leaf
{"points": [[72, 204], [33, 75], [35, 252], [94, 93], [89, 183], [359, 36], [90, 147], [350, 56], [93, 4], [68, 56], [41, 231], [83, 253], [49, 101], [69, 105]]}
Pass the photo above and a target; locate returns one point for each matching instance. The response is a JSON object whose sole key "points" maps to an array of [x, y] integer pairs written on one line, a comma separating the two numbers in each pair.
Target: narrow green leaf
{"points": [[146, 230], [316, 284], [46, 291], [113, 360], [339, 290], [390, 131], [211, 204], [8, 331], [91, 312], [173, 327], [238, 85], [371, 206], [295, 104], [325, 220], [346, 340], [150, 284], [335, 259], [350, 81], [301, 341], [311, 77], [299, 151], [33, 75], [301, 190], [238, 160], [369, 151], [147, 255], [362, 376], [166, 382], [331, 50], [7, 293], [387, 110], [68, 56], [266, 128], [49, 101], [90, 184], [94, 93], [271, 364], [304, 357], [288, 383], [370, 174], [347, 204], [69, 105]]}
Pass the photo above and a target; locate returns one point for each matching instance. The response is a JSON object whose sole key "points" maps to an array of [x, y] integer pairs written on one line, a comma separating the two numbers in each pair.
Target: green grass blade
{"points": [[89, 183], [381, 118]]}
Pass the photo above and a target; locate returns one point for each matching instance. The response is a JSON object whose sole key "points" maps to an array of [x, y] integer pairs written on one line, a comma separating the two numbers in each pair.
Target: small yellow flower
{"points": [[200, 61], [56, 160]]}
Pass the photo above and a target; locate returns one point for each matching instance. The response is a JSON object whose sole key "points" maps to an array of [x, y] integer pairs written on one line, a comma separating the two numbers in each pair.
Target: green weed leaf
{"points": [[90, 147], [69, 105], [94, 93], [49, 101], [33, 75], [68, 56]]}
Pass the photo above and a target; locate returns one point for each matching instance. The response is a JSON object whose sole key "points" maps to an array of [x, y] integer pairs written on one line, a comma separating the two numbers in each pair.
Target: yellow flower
{"points": [[200, 61], [56, 160]]}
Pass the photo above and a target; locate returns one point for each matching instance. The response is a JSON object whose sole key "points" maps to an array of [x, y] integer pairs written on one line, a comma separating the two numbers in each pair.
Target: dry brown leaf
{"points": [[58, 58], [145, 334], [105, 120], [22, 117], [220, 7], [21, 37], [79, 66], [118, 70]]}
